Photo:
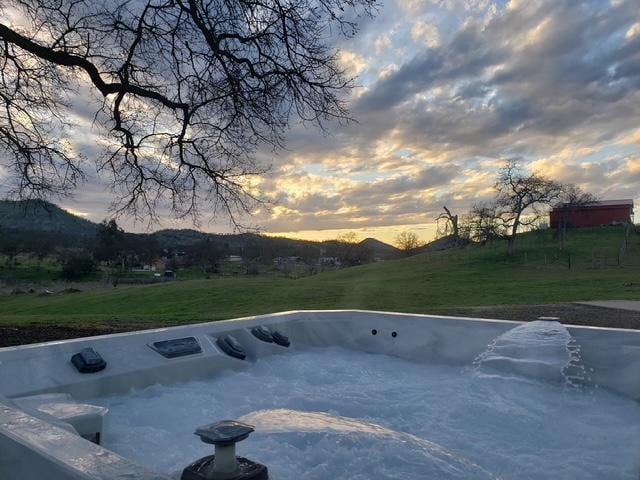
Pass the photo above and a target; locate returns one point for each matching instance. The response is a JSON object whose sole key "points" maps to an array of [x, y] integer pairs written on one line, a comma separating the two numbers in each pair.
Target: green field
{"points": [[593, 267]]}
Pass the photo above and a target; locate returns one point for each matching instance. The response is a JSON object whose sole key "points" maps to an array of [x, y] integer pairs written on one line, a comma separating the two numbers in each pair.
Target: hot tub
{"points": [[340, 394]]}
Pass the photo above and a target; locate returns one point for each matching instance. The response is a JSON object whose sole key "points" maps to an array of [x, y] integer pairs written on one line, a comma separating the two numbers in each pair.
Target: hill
{"points": [[380, 249], [29, 217], [37, 216], [594, 267]]}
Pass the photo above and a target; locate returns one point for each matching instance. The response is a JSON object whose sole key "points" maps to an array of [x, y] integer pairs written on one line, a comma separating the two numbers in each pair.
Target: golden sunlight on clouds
{"points": [[388, 71], [383, 43], [449, 89], [75, 212], [533, 36], [631, 138], [558, 165], [384, 148], [414, 7], [280, 211], [425, 231], [354, 63], [426, 33], [633, 166], [300, 186], [514, 5], [633, 32]]}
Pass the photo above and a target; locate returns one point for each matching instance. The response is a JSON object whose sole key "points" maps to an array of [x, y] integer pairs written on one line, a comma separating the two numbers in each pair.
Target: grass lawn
{"points": [[536, 273]]}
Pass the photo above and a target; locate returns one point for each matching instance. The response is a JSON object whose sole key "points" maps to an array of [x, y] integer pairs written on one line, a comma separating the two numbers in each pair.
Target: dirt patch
{"points": [[11, 335], [568, 313]]}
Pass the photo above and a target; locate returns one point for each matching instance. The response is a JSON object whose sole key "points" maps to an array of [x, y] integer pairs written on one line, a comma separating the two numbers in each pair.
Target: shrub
{"points": [[252, 269], [78, 267]]}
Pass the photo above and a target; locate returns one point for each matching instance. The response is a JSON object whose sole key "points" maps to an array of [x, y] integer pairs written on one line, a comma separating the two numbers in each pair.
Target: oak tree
{"points": [[182, 93]]}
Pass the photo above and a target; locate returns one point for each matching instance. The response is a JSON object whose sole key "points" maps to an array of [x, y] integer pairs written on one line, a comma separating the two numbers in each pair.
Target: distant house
{"points": [[287, 260], [593, 214], [331, 261], [233, 258]]}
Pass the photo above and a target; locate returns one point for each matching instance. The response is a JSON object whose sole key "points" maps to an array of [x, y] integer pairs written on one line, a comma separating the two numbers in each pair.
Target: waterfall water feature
{"points": [[438, 462], [534, 352]]}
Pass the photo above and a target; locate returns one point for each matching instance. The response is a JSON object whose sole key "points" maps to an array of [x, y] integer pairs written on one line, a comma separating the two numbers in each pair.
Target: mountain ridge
{"points": [[39, 216]]}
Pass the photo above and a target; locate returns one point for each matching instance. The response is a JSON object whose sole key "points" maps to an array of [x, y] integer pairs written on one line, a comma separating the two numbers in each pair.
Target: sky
{"points": [[449, 90]]}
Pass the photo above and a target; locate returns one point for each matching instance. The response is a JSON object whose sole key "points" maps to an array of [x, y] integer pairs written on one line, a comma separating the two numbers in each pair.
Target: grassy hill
{"points": [[592, 268], [28, 218], [37, 216]]}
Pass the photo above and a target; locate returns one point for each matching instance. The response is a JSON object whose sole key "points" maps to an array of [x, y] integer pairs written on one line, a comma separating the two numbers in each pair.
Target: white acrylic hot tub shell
{"points": [[34, 448]]}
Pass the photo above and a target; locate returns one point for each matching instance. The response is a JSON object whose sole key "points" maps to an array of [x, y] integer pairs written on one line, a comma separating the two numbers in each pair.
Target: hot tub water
{"points": [[518, 412]]}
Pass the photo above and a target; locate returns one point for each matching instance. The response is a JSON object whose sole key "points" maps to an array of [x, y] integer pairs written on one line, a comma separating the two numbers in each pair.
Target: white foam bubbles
{"points": [[331, 414]]}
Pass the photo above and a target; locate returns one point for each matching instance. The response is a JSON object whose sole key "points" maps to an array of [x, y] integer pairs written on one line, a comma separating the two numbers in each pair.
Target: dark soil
{"points": [[568, 313], [10, 335]]}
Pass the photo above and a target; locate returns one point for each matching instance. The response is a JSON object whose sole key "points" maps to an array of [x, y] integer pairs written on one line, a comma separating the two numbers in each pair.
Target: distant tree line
{"points": [[119, 251]]}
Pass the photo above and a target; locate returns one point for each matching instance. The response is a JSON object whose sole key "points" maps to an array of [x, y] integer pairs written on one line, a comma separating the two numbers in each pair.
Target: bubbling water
{"points": [[334, 414], [436, 459], [539, 351]]}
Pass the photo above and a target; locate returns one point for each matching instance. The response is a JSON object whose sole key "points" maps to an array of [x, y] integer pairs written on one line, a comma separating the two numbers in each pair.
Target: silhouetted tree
{"points": [[350, 251], [187, 91], [144, 249], [78, 266], [40, 247], [207, 254], [521, 193], [110, 242], [11, 248], [448, 225], [481, 223], [408, 242]]}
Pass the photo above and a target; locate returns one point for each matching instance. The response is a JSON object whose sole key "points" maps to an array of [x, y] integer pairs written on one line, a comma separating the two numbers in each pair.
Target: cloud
{"points": [[426, 33], [383, 43], [450, 88], [553, 83], [354, 63]]}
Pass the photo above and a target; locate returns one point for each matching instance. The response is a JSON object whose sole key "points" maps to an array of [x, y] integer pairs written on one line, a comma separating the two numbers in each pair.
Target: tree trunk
{"points": [[512, 238]]}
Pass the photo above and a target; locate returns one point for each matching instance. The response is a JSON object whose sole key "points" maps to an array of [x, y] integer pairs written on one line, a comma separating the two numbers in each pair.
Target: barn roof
{"points": [[611, 203], [600, 203]]}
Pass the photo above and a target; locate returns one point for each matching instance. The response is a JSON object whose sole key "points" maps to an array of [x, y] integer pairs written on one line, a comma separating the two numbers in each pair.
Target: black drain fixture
{"points": [[224, 465]]}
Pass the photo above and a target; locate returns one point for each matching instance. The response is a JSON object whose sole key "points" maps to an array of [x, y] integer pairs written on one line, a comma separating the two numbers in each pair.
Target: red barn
{"points": [[593, 214]]}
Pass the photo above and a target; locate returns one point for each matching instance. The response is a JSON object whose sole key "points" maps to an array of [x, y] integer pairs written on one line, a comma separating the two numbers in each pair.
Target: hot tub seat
{"points": [[86, 419]]}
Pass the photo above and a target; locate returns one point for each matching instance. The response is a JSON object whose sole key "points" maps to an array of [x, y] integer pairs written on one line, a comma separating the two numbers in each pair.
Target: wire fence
{"points": [[544, 249]]}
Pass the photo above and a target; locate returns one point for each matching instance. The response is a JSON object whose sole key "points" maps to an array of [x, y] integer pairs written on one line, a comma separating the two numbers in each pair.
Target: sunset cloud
{"points": [[449, 89]]}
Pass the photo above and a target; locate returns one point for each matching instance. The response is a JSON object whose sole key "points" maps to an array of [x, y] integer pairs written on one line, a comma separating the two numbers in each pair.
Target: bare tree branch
{"points": [[520, 193], [188, 91]]}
